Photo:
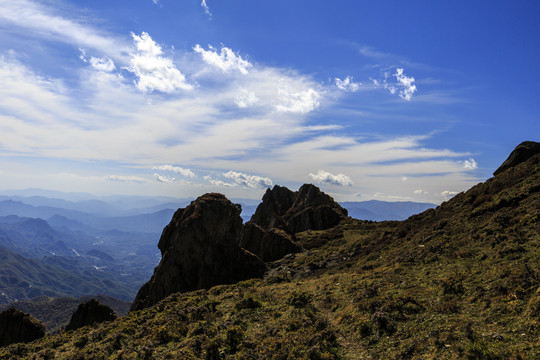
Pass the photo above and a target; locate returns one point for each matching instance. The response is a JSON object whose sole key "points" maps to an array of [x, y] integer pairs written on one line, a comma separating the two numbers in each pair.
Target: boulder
{"points": [[90, 313], [16, 326], [200, 248]]}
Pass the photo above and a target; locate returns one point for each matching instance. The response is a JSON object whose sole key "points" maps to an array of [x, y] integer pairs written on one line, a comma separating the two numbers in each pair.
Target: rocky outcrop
{"points": [[16, 326], [282, 213], [268, 245], [200, 248], [521, 153], [90, 313], [275, 203], [313, 210]]}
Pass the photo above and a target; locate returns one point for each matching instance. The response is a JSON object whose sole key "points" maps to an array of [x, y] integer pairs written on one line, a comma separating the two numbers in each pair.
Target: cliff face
{"points": [[282, 213], [200, 249], [16, 326]]}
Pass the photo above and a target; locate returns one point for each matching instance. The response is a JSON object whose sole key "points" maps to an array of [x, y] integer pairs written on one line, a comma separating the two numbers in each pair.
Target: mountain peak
{"points": [[521, 153]]}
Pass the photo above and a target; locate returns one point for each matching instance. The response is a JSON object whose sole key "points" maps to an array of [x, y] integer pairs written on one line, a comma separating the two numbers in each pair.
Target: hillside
{"points": [[458, 281], [25, 278]]}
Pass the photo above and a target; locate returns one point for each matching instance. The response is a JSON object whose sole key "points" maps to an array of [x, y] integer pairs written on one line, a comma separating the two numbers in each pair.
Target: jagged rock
{"points": [[90, 313], [283, 213], [313, 210], [268, 245], [200, 248], [275, 203], [521, 153], [16, 326]]}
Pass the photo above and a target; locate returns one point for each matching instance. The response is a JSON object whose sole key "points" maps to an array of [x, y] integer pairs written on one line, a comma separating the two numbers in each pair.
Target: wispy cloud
{"points": [[226, 60], [403, 86], [447, 194], [249, 181], [164, 179], [121, 178], [102, 64], [219, 183], [206, 8], [41, 21], [298, 102], [324, 177], [246, 99], [176, 169], [347, 84]]}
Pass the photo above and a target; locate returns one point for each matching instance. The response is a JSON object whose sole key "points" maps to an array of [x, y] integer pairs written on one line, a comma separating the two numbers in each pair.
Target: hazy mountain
{"points": [[376, 210], [24, 278]]}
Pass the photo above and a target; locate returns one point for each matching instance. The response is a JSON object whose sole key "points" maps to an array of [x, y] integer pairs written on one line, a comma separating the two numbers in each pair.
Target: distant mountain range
{"points": [[76, 244]]}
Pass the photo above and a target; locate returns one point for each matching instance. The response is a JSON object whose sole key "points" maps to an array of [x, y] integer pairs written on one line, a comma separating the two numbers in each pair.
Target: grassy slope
{"points": [[460, 281]]}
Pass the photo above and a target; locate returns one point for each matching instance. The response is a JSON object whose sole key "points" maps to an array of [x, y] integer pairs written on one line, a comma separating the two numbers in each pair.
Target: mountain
{"points": [[25, 278], [376, 210], [145, 223], [461, 281]]}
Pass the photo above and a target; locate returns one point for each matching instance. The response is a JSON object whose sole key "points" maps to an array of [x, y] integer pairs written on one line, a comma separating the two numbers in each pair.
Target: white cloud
{"points": [[219, 182], [448, 194], [246, 99], [347, 84], [42, 21], [420, 192], [102, 64], [298, 102], [404, 178], [164, 179], [470, 164], [406, 83], [226, 60], [176, 169], [153, 71], [120, 178], [155, 1], [249, 181], [324, 177], [206, 8]]}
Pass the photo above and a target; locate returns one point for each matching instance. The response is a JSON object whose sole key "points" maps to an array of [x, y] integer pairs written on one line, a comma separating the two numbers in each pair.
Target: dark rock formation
{"points": [[16, 326], [521, 153], [283, 213], [90, 313], [275, 203], [200, 248], [268, 245], [313, 210]]}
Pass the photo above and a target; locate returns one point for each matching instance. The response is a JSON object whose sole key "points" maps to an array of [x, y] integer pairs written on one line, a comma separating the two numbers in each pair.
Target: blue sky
{"points": [[387, 100]]}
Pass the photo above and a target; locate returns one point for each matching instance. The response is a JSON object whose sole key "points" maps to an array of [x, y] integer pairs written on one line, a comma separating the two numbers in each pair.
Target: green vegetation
{"points": [[458, 282]]}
